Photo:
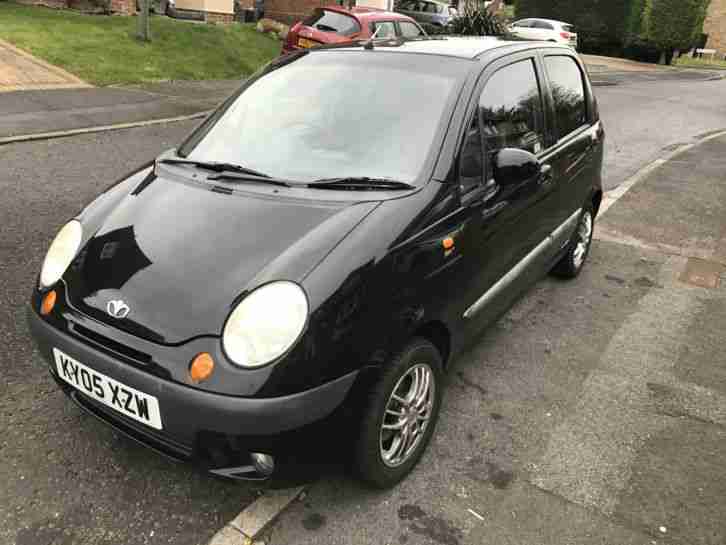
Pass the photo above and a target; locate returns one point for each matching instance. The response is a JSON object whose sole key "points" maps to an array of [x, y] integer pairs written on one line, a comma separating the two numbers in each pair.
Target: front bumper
{"points": [[197, 425]]}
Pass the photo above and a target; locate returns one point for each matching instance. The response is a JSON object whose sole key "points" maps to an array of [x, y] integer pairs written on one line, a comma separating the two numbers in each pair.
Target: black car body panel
{"points": [[174, 240], [378, 267]]}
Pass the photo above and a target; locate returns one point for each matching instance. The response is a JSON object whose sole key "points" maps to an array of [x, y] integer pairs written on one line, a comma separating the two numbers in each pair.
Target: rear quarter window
{"points": [[568, 93], [332, 21]]}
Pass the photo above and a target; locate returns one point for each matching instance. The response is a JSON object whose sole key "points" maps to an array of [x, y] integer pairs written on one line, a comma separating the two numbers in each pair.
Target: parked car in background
{"points": [[425, 11], [337, 25], [545, 30]]}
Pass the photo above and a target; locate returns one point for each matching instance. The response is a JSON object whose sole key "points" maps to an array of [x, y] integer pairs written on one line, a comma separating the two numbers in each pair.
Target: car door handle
{"points": [[545, 175]]}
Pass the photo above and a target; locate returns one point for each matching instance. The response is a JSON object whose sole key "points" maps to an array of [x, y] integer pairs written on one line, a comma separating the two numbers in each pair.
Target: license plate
{"points": [[112, 393], [304, 42]]}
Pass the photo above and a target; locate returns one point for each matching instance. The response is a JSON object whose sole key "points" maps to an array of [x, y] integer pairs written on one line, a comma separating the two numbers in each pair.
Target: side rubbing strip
{"points": [[505, 281]]}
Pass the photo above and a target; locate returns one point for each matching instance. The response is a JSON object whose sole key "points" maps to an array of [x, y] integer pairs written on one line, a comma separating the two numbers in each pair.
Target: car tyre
{"points": [[403, 405], [579, 247]]}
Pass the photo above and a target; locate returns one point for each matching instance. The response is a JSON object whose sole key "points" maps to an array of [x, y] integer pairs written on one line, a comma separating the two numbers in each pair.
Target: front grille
{"points": [[107, 344]]}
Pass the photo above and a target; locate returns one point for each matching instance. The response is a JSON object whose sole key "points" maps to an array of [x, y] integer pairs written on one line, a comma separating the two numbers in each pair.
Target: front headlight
{"points": [[265, 324], [61, 252]]}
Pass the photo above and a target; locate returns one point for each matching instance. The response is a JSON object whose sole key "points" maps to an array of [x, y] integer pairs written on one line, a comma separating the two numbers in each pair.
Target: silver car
{"points": [[426, 11]]}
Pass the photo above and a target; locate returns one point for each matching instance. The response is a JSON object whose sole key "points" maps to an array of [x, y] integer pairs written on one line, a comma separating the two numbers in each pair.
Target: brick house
{"points": [[715, 27], [289, 11], [212, 11]]}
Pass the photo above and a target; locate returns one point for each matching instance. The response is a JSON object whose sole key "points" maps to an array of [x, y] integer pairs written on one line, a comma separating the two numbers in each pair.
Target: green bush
{"points": [[674, 24], [476, 22]]}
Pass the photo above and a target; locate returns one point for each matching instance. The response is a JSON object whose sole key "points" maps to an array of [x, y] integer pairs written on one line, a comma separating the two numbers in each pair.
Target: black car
{"points": [[315, 254]]}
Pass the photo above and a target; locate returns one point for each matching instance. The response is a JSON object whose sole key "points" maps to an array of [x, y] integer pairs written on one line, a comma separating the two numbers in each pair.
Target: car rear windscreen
{"points": [[568, 28], [332, 21]]}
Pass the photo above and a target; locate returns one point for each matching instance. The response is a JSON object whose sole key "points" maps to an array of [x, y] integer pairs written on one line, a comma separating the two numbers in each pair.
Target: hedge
{"points": [[639, 28], [601, 26]]}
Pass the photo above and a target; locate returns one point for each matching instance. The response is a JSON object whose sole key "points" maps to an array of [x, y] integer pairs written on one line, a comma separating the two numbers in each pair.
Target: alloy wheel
{"points": [[407, 415], [582, 241]]}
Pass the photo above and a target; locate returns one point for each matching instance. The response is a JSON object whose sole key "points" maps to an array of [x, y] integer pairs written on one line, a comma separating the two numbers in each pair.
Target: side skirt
{"points": [[550, 245]]}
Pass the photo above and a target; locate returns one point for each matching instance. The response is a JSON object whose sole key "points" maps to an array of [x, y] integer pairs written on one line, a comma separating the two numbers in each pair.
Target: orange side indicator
{"points": [[48, 302], [448, 243], [201, 367]]}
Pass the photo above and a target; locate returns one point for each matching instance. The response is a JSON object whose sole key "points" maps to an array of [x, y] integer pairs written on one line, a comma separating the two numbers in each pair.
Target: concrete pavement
{"points": [[21, 71]]}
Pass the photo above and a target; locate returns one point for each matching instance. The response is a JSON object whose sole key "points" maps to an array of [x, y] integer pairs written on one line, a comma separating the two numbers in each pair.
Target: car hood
{"points": [[180, 254]]}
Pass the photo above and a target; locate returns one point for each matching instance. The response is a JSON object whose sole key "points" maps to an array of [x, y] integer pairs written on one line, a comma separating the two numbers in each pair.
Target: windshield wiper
{"points": [[226, 175], [215, 166], [360, 182]]}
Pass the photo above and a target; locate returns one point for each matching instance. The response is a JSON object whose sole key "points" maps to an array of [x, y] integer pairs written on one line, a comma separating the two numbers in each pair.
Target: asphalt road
{"points": [[66, 478], [69, 479], [644, 117]]}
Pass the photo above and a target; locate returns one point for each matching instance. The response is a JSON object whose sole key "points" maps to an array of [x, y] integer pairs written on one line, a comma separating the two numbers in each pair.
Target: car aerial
{"points": [[312, 258], [338, 25], [425, 11], [545, 30]]}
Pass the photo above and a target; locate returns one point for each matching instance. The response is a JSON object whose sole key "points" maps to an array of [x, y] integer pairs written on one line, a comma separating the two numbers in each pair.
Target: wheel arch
{"points": [[596, 200], [439, 335]]}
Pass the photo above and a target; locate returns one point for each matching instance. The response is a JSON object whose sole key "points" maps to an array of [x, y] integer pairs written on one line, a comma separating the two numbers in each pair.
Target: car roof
{"points": [[555, 21], [365, 13], [466, 47]]}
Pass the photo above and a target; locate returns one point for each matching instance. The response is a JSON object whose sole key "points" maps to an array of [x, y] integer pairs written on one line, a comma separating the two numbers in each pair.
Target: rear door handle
{"points": [[545, 176]]}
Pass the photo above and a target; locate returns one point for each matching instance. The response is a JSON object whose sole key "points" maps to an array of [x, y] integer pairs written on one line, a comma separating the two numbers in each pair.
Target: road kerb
{"points": [[100, 128], [257, 516]]}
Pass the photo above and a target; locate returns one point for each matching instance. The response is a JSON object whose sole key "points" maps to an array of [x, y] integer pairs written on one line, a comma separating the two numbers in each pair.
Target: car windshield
{"points": [[335, 114]]}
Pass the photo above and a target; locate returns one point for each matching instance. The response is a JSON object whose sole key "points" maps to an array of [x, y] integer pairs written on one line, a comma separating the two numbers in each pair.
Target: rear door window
{"points": [[568, 93], [410, 30], [383, 29], [332, 21], [511, 109], [542, 25]]}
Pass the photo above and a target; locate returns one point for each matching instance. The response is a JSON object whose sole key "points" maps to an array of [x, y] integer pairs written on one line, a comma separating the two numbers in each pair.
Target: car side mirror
{"points": [[514, 166]]}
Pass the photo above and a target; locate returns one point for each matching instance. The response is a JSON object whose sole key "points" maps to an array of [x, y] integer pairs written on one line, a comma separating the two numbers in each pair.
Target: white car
{"points": [[544, 30]]}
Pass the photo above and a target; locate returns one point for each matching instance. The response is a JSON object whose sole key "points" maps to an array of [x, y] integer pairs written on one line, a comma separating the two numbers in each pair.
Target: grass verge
{"points": [[690, 62], [103, 50]]}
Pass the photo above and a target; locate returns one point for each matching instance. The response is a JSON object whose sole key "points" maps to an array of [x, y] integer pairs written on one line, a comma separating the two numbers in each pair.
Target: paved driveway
{"points": [[20, 71]]}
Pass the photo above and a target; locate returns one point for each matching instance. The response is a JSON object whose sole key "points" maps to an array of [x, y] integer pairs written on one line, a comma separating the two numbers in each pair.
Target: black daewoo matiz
{"points": [[320, 248]]}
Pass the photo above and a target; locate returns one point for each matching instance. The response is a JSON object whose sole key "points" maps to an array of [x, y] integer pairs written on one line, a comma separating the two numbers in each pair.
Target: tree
{"points": [[143, 31], [673, 24]]}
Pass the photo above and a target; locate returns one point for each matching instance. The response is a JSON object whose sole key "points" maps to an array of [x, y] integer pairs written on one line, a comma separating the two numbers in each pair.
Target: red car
{"points": [[335, 24]]}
